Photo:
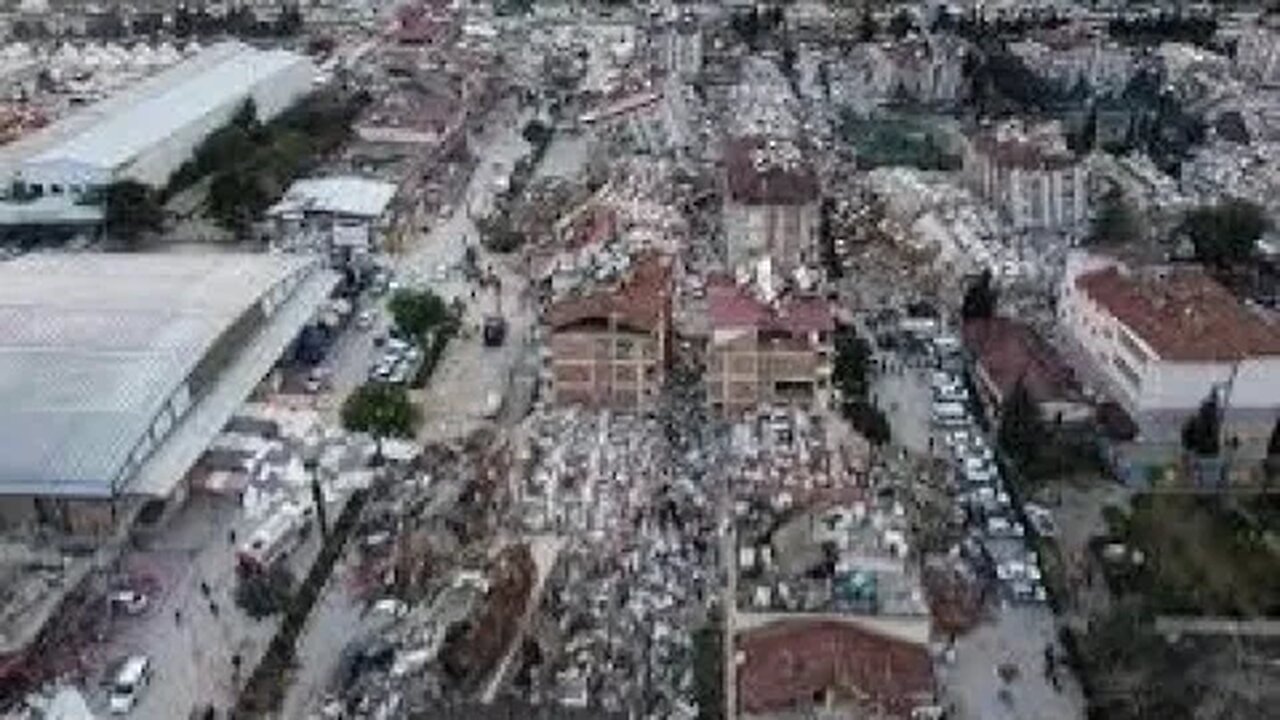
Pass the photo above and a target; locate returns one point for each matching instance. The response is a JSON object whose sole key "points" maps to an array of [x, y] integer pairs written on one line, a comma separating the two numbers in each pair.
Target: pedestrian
{"points": [[177, 617], [204, 588], [231, 536], [213, 608]]}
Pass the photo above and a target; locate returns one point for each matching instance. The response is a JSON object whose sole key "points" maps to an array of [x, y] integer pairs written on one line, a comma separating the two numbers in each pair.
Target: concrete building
{"points": [[762, 354], [770, 203], [144, 133], [1160, 341], [116, 371], [1029, 175], [610, 347], [342, 218], [921, 68]]}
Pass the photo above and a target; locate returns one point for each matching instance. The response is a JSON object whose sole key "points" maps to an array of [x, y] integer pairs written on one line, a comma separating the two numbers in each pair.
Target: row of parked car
{"points": [[981, 493], [397, 362]]}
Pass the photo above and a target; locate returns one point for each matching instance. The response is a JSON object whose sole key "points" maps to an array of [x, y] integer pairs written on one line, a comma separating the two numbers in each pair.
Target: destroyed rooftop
{"points": [[1183, 314], [732, 306], [640, 301], [768, 171]]}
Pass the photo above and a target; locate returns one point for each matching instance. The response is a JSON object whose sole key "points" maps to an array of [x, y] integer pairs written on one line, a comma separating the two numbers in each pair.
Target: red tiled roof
{"points": [[641, 301], [766, 183], [1183, 314], [732, 306], [1009, 351], [789, 663]]}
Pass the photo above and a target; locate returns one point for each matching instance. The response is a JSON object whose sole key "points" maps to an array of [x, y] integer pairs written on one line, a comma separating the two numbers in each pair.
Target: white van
{"points": [[133, 677], [949, 414]]}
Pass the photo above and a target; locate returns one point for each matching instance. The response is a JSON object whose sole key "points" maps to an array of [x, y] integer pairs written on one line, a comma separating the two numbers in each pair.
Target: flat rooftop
{"points": [[94, 349], [111, 133]]}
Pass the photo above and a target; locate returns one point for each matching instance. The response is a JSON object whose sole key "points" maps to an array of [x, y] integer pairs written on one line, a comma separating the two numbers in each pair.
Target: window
{"points": [[625, 347], [1128, 372]]}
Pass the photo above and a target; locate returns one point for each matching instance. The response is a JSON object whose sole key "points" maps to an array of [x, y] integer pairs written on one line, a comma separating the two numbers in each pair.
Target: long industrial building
{"points": [[117, 370], [144, 133]]}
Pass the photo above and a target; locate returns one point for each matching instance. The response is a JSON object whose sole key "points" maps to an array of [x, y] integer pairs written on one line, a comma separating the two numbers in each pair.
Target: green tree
{"points": [[980, 299], [382, 410], [1022, 432], [131, 210], [1115, 223], [1224, 234], [853, 359], [417, 313], [867, 27], [901, 23], [1200, 433]]}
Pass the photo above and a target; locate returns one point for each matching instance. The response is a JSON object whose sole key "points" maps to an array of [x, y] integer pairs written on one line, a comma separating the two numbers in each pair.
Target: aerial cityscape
{"points": [[639, 360]]}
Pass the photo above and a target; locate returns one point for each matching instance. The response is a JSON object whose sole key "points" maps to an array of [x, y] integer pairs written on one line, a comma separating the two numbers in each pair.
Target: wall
{"points": [[787, 232]]}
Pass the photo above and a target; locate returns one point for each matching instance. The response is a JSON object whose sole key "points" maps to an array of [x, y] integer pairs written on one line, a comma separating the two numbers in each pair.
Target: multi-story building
{"points": [[1162, 340], [766, 354], [1029, 175], [342, 218], [610, 347], [770, 203]]}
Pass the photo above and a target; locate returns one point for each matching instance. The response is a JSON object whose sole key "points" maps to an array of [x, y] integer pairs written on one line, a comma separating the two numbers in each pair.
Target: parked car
{"points": [[130, 602], [130, 681]]}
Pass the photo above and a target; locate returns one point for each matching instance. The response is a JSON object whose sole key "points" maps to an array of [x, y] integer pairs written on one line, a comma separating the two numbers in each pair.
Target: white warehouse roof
{"points": [[110, 134], [94, 349], [340, 195]]}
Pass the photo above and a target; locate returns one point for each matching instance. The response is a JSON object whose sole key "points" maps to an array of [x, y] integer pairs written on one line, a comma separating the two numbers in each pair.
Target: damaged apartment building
{"points": [[609, 347], [1030, 176], [762, 353], [771, 202]]}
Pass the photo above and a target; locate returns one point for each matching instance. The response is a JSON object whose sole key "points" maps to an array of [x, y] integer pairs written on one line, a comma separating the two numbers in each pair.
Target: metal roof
{"points": [[114, 132], [339, 195], [92, 346]]}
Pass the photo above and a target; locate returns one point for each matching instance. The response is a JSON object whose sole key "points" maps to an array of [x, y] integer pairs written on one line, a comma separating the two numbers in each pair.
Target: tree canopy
{"points": [[1224, 234], [980, 299], [1200, 434], [132, 209], [417, 312], [1022, 432], [382, 410], [1116, 223]]}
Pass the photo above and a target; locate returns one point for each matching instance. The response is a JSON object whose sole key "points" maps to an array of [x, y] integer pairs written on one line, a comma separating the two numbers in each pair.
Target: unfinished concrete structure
{"points": [[609, 348], [1029, 175], [770, 203], [760, 353]]}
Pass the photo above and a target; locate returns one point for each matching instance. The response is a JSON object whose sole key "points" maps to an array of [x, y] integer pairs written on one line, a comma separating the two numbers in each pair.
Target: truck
{"points": [[273, 540]]}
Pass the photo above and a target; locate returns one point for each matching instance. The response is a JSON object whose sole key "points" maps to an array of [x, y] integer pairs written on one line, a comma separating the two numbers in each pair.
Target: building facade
{"points": [[1160, 341], [761, 354], [610, 348], [1030, 176], [342, 218]]}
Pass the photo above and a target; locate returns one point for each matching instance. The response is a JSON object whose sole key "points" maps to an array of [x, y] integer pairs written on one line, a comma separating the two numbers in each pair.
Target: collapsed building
{"points": [[771, 202]]}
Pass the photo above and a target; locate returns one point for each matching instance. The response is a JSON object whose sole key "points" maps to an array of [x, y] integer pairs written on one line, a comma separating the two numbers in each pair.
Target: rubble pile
{"points": [[613, 631]]}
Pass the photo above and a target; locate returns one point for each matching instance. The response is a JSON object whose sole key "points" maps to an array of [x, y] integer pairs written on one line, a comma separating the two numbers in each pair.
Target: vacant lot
{"points": [[1202, 555]]}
